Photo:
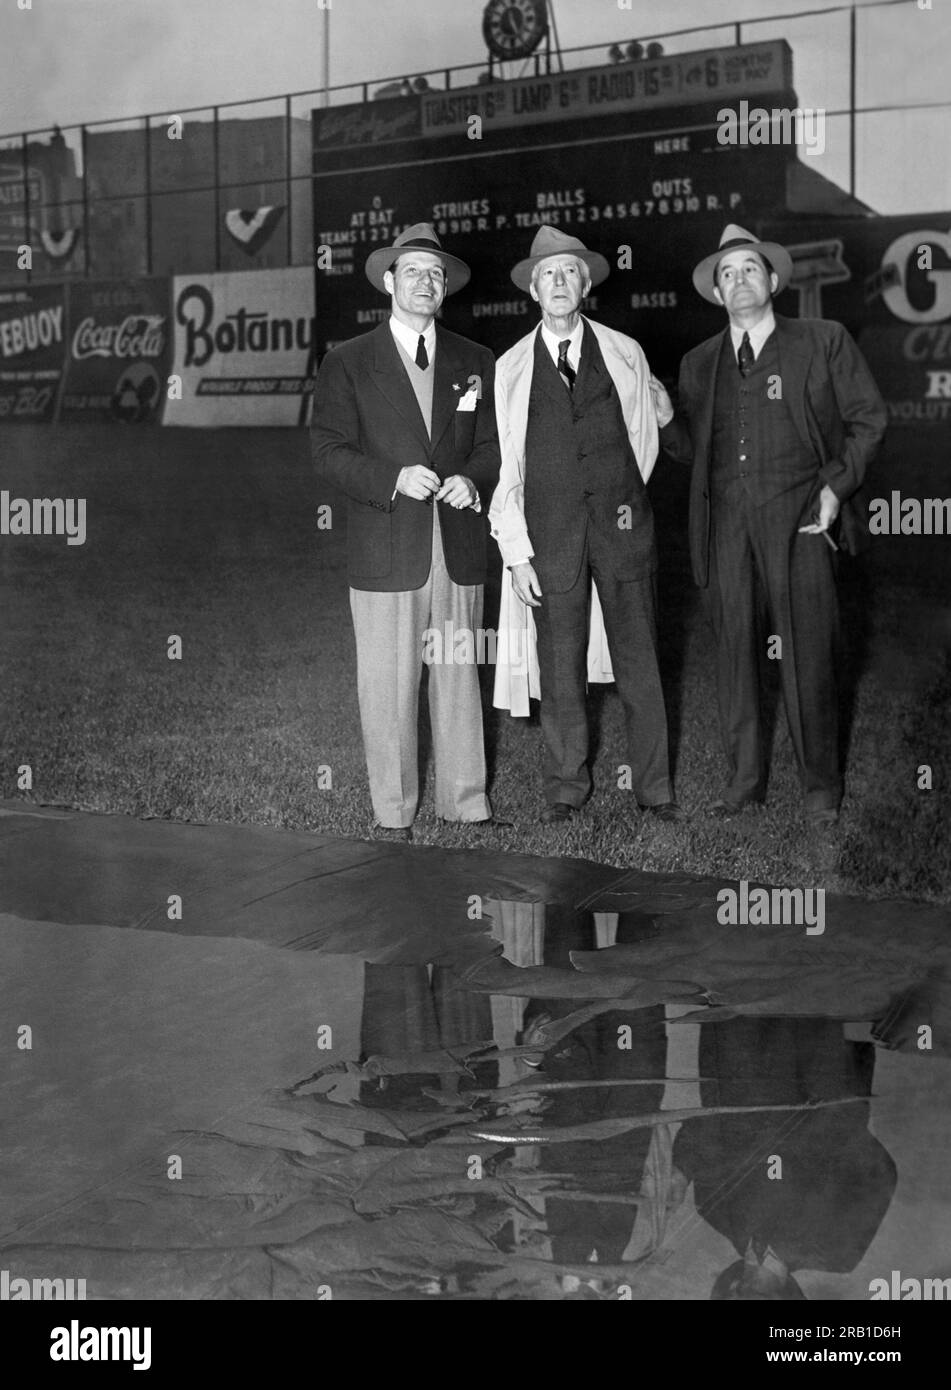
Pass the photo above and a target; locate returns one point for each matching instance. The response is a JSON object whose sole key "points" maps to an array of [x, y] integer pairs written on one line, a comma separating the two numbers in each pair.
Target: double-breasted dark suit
{"points": [[761, 451], [415, 568]]}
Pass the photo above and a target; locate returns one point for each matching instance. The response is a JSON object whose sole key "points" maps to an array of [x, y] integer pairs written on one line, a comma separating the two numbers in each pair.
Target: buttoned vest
{"points": [[579, 470], [755, 440]]}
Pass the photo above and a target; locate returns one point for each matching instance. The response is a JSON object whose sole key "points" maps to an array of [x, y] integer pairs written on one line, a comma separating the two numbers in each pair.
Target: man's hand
{"points": [[458, 491], [525, 583], [828, 511], [418, 482], [662, 406]]}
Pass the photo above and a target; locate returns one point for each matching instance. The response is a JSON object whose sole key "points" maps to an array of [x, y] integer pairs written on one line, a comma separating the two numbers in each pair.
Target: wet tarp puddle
{"points": [[593, 1089]]}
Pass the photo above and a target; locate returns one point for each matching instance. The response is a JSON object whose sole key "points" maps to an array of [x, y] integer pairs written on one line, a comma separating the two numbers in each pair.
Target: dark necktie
{"points": [[564, 366], [422, 358], [745, 358]]}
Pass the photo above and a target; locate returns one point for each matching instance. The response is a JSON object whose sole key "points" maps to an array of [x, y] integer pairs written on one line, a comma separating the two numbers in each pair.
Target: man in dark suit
{"points": [[404, 425], [780, 419], [822, 1205], [579, 439]]}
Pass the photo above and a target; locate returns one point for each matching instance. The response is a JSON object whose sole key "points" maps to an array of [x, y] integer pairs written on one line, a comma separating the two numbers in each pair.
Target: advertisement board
{"points": [[32, 352], [119, 350], [626, 88], [888, 279], [676, 80], [243, 348]]}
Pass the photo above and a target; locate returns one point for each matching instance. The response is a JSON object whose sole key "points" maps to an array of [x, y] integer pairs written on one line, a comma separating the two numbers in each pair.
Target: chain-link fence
{"points": [[208, 188]]}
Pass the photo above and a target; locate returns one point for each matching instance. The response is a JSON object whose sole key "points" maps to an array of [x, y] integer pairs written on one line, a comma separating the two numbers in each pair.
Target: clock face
{"points": [[514, 28]]}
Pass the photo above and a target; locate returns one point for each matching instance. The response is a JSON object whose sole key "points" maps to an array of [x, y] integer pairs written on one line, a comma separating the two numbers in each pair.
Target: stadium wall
{"points": [[235, 348]]}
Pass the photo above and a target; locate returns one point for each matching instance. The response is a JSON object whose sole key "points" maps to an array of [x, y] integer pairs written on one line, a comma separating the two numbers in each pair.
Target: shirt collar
{"points": [[758, 335], [551, 341], [408, 338]]}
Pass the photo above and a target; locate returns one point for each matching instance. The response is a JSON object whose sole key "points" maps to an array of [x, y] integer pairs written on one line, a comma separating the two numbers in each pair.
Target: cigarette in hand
{"points": [[824, 534]]}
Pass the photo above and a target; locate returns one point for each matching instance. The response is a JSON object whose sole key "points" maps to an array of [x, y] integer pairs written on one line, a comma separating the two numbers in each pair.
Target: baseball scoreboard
{"points": [[627, 158]]}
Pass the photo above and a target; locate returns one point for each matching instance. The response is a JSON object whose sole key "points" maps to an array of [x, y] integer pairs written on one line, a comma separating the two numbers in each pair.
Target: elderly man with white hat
{"points": [[578, 435], [404, 425], [780, 419]]}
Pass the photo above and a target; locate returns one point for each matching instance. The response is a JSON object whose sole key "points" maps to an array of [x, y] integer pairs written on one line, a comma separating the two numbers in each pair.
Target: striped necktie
{"points": [[564, 366]]}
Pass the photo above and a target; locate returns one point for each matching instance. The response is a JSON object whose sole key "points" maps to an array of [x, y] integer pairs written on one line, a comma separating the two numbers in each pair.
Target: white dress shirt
{"points": [[758, 335], [551, 341], [408, 338]]}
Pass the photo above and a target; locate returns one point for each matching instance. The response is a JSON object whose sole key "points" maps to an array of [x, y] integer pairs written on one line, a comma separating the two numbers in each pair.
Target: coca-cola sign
{"points": [[136, 336], [120, 343]]}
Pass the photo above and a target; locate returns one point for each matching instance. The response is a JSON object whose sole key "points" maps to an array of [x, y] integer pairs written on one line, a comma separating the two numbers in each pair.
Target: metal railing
{"points": [[110, 173]]}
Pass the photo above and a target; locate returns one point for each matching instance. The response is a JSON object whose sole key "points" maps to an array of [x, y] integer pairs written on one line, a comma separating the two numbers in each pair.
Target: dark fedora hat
{"points": [[549, 241], [735, 238], [420, 237]]}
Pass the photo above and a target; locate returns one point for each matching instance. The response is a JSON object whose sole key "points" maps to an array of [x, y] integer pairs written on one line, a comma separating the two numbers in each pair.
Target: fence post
{"points": [[288, 181], [87, 244], [148, 195], [217, 183], [25, 144], [852, 101]]}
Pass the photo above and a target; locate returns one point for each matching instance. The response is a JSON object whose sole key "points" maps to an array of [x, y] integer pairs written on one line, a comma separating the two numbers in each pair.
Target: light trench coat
{"points": [[516, 670]]}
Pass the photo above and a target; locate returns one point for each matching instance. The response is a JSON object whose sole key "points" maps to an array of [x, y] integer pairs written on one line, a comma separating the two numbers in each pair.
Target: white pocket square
{"points": [[468, 401]]}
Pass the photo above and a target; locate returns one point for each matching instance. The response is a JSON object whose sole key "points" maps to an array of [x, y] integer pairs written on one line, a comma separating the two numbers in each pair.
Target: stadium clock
{"points": [[514, 28]]}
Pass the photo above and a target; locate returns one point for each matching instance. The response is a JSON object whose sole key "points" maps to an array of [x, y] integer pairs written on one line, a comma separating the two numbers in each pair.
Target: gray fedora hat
{"points": [[735, 238], [549, 241], [420, 237]]}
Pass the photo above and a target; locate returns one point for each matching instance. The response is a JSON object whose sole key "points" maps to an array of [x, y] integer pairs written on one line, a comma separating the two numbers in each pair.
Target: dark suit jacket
{"points": [[837, 1178], [830, 393], [367, 425]]}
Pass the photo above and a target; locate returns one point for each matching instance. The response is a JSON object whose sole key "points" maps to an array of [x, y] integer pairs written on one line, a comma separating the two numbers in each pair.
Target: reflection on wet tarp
{"points": [[592, 1092], [804, 1189]]}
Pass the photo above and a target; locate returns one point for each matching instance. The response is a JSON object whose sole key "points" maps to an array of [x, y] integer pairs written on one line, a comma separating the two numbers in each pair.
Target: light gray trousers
{"points": [[390, 630]]}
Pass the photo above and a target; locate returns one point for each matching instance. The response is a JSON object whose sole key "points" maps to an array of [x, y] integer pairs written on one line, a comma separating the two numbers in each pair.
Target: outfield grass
{"points": [[211, 535]]}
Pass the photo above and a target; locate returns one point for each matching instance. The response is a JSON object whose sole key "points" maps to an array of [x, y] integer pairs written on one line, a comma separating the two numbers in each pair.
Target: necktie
{"points": [[564, 366], [422, 358], [745, 358]]}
